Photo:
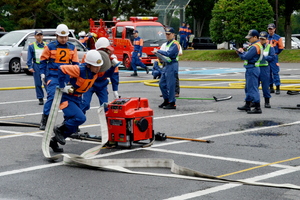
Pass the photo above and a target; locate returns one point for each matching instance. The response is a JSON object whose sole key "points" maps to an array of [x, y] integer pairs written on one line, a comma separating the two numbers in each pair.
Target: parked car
{"points": [[2, 33], [81, 49], [11, 45], [297, 40], [294, 45], [203, 43]]}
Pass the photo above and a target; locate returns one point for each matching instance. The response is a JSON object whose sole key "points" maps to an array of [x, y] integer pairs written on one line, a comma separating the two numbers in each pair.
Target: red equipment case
{"points": [[129, 120]]}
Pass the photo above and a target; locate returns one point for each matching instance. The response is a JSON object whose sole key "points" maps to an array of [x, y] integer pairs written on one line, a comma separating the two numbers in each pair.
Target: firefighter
{"points": [[56, 53], [276, 42], [74, 80], [252, 60], [33, 61], [188, 34], [100, 85], [137, 53], [183, 35], [83, 38], [167, 81], [264, 76]]}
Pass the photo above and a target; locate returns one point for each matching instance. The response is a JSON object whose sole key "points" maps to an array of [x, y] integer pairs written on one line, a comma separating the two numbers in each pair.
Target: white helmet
{"points": [[102, 42], [62, 30], [81, 34], [94, 58]]}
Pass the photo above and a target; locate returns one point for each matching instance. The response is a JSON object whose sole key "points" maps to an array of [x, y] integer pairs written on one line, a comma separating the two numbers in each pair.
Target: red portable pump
{"points": [[129, 120]]}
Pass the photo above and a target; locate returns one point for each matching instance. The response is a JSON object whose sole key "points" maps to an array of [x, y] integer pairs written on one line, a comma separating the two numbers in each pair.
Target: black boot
{"points": [[54, 145], [43, 122], [134, 74], [59, 133], [166, 102], [271, 88], [246, 107], [267, 103], [170, 106], [256, 110], [147, 70], [277, 89]]}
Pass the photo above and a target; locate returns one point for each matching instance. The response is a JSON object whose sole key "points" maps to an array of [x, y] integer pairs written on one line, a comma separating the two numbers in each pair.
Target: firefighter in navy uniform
{"points": [[56, 53], [74, 80], [167, 81], [100, 85], [276, 42], [137, 53], [252, 60], [33, 61], [264, 77], [183, 35]]}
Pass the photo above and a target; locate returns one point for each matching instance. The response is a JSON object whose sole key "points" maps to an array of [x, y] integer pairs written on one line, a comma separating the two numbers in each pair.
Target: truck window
{"points": [[119, 31], [152, 34], [129, 34]]}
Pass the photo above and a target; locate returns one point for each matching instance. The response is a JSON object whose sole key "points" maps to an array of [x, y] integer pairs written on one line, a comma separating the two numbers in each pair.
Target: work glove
{"points": [[67, 89], [116, 94], [43, 79], [265, 53]]}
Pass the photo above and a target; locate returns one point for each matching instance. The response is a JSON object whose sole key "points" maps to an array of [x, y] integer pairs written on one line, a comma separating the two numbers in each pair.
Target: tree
{"points": [[80, 11], [200, 11], [232, 19]]}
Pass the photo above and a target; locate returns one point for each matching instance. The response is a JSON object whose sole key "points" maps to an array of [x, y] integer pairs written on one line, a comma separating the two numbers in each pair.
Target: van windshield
{"points": [[11, 38], [152, 33]]}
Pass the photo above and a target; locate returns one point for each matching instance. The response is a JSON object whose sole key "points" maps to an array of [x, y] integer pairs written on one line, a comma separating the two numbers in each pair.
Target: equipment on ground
{"points": [[130, 120], [162, 137], [214, 98]]}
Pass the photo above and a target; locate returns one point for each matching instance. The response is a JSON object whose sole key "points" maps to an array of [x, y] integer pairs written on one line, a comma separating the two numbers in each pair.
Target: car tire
{"points": [[28, 72], [127, 62], [15, 66]]}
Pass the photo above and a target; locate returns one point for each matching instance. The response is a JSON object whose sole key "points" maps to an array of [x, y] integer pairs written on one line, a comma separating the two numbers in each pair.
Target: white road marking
{"points": [[232, 185]]}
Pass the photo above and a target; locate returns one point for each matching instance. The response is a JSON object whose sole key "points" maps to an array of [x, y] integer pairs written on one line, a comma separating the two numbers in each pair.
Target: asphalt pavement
{"points": [[261, 148]]}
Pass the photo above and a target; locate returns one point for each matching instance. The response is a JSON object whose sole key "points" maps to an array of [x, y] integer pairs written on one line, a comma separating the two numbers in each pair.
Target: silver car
{"points": [[11, 45], [81, 49]]}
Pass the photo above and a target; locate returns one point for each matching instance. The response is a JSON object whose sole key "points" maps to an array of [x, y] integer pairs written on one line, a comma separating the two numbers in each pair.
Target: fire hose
{"points": [[122, 165]]}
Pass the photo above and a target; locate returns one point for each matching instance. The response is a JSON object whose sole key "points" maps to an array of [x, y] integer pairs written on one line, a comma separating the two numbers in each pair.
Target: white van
{"points": [[11, 45]]}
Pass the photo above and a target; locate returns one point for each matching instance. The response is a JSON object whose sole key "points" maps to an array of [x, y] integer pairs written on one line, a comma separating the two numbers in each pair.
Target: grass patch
{"points": [[286, 56]]}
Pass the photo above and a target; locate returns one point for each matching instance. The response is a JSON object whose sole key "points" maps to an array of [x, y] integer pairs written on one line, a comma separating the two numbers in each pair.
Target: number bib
{"points": [[62, 56]]}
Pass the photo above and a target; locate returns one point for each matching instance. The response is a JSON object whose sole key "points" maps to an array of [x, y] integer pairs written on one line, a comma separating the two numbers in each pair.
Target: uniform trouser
{"points": [[167, 81], [136, 61], [251, 87], [274, 70], [183, 41], [52, 83], [264, 79], [100, 88], [38, 82], [73, 115]]}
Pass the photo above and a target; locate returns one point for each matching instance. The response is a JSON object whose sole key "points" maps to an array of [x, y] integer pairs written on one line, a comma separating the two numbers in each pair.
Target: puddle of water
{"points": [[268, 134], [262, 124]]}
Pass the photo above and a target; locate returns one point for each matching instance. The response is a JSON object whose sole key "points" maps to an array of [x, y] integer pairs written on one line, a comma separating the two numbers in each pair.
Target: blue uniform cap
{"points": [[263, 35], [135, 31], [271, 26], [169, 30], [37, 32], [252, 33]]}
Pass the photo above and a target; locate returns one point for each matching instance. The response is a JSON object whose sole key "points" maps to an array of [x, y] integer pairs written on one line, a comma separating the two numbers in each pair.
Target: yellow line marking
{"points": [[260, 166]]}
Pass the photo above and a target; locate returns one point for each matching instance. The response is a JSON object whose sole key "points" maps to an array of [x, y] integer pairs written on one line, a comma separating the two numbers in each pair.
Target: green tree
{"points": [[232, 19], [200, 11], [80, 11]]}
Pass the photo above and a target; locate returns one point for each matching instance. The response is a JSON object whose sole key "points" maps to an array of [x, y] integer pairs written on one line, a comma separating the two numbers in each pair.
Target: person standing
{"points": [[183, 35], [188, 34], [33, 62], [56, 53], [74, 80], [137, 53], [264, 76], [252, 60], [276, 42], [167, 81]]}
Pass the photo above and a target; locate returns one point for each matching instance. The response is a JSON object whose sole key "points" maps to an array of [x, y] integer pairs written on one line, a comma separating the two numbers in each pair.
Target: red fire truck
{"points": [[121, 37]]}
